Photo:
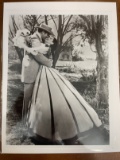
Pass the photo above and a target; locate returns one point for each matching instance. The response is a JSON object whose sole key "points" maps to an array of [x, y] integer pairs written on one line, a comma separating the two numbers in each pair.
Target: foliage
{"points": [[89, 75], [92, 25], [76, 53], [30, 21]]}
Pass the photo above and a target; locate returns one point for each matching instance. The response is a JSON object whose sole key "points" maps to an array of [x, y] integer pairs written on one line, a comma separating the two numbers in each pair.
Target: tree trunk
{"points": [[58, 49], [56, 56], [59, 41], [102, 78]]}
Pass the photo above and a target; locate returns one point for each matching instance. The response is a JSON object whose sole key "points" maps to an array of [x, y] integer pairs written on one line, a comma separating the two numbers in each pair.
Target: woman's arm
{"points": [[38, 55], [42, 49], [40, 58]]}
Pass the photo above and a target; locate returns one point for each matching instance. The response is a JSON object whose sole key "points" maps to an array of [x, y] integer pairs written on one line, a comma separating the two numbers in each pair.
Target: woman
{"points": [[57, 113]]}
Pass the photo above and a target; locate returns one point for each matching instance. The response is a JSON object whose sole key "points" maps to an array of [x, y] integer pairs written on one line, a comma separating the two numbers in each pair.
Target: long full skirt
{"points": [[57, 111]]}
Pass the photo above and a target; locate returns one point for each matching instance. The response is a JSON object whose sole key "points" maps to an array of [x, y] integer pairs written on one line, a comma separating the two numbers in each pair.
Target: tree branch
{"points": [[67, 24], [54, 21], [69, 39], [86, 20], [11, 32], [67, 31], [25, 23], [46, 20], [10, 39], [93, 24], [62, 22], [38, 17], [14, 23], [101, 22]]}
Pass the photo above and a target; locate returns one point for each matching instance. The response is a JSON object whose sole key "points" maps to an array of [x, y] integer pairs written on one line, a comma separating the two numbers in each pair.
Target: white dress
{"points": [[57, 111]]}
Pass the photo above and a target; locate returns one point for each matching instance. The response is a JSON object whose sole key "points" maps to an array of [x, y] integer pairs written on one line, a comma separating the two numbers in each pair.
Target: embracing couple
{"points": [[53, 110]]}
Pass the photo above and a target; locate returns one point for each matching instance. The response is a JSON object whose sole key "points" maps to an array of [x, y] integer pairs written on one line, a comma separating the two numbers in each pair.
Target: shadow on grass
{"points": [[15, 111], [15, 67], [15, 98], [85, 88]]}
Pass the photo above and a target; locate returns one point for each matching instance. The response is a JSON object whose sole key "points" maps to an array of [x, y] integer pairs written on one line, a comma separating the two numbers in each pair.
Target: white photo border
{"points": [[55, 8]]}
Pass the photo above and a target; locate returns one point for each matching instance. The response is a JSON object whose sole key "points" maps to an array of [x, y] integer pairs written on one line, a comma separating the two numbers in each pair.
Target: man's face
{"points": [[44, 35]]}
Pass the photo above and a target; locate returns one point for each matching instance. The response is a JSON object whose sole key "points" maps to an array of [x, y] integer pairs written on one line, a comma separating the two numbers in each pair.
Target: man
{"points": [[31, 71]]}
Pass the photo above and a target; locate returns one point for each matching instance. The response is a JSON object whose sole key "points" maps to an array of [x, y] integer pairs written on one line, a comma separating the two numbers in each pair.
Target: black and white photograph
{"points": [[57, 90]]}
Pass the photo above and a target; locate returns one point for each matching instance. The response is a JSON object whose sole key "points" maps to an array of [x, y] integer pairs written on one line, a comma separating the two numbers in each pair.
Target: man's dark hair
{"points": [[41, 30]]}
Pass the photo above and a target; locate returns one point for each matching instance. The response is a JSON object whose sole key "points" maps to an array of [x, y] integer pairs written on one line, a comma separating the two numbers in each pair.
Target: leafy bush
{"points": [[89, 75], [77, 58]]}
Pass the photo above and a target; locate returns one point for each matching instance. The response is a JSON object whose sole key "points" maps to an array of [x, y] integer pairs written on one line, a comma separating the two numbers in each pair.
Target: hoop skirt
{"points": [[57, 110]]}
